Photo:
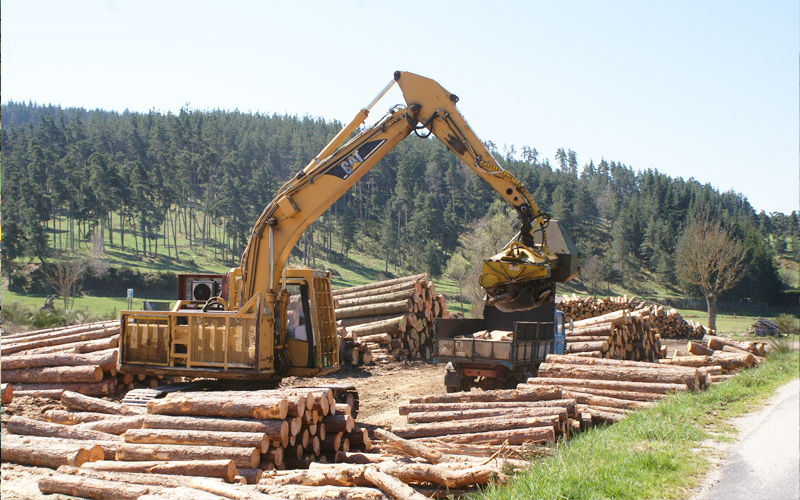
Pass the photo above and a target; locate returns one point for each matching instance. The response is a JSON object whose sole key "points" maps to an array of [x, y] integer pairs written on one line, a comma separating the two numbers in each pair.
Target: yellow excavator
{"points": [[262, 321]]}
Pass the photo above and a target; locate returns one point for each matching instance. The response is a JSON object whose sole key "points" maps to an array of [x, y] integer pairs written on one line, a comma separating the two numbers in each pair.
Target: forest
{"points": [[72, 174]]}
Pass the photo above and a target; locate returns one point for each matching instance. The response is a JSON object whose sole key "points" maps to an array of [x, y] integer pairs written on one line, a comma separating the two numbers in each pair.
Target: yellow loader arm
{"points": [[518, 278]]}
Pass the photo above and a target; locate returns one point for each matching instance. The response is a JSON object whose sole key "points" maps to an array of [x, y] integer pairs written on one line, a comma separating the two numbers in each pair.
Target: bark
{"points": [[447, 416], [604, 330], [300, 492], [242, 457], [733, 362], [78, 337], [616, 318], [436, 474], [698, 349], [338, 423], [380, 338], [391, 486], [331, 443], [629, 395], [489, 424], [79, 402], [533, 394], [392, 325], [572, 347], [7, 391], [690, 361], [663, 375], [87, 487], [411, 448], [613, 385], [253, 476], [49, 333], [53, 374], [106, 360], [276, 430], [226, 491], [164, 480], [398, 307], [717, 343], [72, 418], [116, 425], [602, 415], [199, 438], [44, 393], [513, 436], [51, 453], [97, 345], [371, 298], [359, 438], [410, 319], [359, 458], [103, 388], [30, 427], [220, 406], [273, 456], [415, 279], [592, 399], [223, 469]]}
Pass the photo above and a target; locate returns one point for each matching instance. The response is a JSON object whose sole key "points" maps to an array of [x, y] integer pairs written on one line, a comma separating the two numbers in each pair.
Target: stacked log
{"points": [[77, 358], [719, 357], [622, 334], [388, 320], [666, 322]]}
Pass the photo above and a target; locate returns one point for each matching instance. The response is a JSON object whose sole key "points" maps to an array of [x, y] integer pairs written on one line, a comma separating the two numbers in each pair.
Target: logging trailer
{"points": [[497, 364], [262, 321]]}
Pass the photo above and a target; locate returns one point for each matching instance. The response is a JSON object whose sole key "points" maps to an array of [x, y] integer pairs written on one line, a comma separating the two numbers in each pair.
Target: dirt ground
{"points": [[381, 388]]}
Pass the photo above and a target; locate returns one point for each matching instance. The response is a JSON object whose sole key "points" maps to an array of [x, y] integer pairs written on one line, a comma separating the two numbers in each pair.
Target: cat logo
{"points": [[359, 156]]}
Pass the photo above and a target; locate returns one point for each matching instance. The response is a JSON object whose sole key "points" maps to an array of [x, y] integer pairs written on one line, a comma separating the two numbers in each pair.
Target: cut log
{"points": [[489, 424], [717, 343], [534, 394], [182, 493], [691, 361], [242, 457], [415, 279], [733, 362], [603, 415], [411, 448], [397, 307], [629, 395], [103, 388], [615, 385], [300, 492], [381, 338], [591, 399], [164, 480], [219, 406], [97, 345], [359, 438], [444, 476], [276, 430], [662, 375], [226, 491], [391, 486], [253, 476], [7, 391], [30, 427], [78, 337], [359, 458], [698, 349], [79, 402], [15, 338], [513, 436], [371, 330], [51, 453], [572, 347], [410, 293], [273, 456], [105, 359], [116, 425], [338, 423], [256, 440], [331, 443], [87, 487], [224, 469], [447, 416], [74, 374]]}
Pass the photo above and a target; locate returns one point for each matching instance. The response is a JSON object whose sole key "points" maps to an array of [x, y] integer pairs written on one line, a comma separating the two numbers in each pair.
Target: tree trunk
{"points": [[72, 418], [398, 307], [593, 399], [7, 391], [242, 457], [163, 480], [447, 477], [698, 349], [30, 427], [79, 402], [390, 326], [224, 469], [663, 375], [379, 284], [215, 406], [102, 388], [276, 430], [66, 339], [338, 423], [449, 416], [51, 453], [513, 436], [86, 487], [373, 297], [51, 374], [533, 394], [557, 404], [488, 424], [96, 345], [301, 492], [256, 440], [106, 360], [411, 448], [711, 301], [391, 486], [115, 425]]}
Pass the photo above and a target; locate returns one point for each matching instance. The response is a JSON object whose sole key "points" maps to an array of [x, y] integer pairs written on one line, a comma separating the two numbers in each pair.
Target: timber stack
{"points": [[388, 320], [667, 322], [719, 357], [620, 334], [78, 358]]}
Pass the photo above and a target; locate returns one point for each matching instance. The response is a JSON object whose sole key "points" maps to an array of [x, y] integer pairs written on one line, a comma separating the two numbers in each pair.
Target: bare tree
{"points": [[65, 274], [709, 256], [593, 271]]}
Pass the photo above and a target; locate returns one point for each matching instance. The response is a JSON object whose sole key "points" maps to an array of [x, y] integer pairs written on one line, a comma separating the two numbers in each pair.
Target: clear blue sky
{"points": [[694, 89]]}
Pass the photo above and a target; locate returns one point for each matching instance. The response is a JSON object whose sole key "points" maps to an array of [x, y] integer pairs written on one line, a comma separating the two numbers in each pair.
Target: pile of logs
{"points": [[80, 358], [667, 323], [606, 390], [388, 320], [719, 357], [617, 335], [577, 308]]}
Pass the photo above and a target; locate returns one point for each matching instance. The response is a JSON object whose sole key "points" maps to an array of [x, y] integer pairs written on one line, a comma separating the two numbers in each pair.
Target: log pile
{"points": [[388, 320], [616, 335], [80, 358], [719, 357], [667, 323]]}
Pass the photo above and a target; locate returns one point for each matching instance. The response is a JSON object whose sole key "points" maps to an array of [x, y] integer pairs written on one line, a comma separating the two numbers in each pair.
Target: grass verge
{"points": [[654, 453]]}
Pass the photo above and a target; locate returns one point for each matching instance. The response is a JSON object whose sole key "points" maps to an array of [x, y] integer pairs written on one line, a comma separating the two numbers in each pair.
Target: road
{"points": [[765, 463]]}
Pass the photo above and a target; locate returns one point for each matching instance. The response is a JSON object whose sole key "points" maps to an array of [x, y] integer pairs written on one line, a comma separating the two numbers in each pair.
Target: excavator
{"points": [[262, 321]]}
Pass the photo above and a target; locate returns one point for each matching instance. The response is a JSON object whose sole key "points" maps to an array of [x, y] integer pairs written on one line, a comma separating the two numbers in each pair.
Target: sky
{"points": [[705, 90]]}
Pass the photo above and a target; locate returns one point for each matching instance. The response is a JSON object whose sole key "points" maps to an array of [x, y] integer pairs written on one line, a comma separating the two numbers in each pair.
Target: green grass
{"points": [[653, 453], [100, 306]]}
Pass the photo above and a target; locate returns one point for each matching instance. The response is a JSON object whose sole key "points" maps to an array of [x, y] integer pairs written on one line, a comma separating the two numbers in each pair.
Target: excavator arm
{"points": [[518, 278]]}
